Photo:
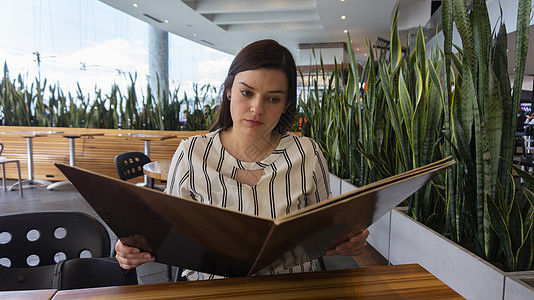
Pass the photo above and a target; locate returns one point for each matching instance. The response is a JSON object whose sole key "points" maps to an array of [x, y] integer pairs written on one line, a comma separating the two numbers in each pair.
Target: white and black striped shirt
{"points": [[296, 175]]}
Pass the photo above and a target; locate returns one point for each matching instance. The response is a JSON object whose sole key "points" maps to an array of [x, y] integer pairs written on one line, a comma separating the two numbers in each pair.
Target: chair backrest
{"points": [[45, 238], [35, 278], [84, 273], [528, 145], [130, 164], [76, 273]]}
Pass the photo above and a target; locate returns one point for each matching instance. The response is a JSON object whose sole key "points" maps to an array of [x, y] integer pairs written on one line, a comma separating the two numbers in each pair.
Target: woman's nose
{"points": [[256, 106]]}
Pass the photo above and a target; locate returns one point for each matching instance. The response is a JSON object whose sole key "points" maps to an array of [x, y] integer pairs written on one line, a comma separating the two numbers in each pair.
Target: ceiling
{"points": [[229, 25]]}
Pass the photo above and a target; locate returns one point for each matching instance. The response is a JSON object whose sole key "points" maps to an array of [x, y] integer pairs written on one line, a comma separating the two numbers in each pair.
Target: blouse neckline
{"points": [[234, 162]]}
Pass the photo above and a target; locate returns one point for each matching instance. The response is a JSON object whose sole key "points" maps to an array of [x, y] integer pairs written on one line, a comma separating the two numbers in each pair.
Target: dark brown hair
{"points": [[261, 54]]}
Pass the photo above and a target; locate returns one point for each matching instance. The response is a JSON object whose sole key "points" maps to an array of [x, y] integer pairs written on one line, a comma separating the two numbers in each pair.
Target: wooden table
{"points": [[147, 137], [32, 294], [382, 282], [29, 135], [72, 152], [158, 169]]}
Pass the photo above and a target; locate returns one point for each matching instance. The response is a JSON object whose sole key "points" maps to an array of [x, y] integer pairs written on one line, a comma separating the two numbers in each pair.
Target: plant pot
{"points": [[379, 235], [340, 186], [335, 185], [519, 286], [378, 231], [402, 240], [412, 242]]}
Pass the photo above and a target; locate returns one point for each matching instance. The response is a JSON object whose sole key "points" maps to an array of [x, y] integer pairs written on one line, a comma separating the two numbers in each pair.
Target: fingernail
{"points": [[147, 256]]}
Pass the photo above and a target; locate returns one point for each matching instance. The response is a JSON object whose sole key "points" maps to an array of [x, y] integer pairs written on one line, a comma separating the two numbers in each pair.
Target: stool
{"points": [[4, 161], [72, 154]]}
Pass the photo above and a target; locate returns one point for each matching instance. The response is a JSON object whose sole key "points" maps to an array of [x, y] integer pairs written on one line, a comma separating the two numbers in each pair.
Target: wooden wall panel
{"points": [[93, 153]]}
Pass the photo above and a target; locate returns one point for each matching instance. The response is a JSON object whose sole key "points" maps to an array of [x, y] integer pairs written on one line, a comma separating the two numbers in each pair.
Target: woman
{"points": [[249, 162]]}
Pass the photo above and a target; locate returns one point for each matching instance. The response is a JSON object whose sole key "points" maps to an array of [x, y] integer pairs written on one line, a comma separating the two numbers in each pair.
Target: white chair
{"points": [[4, 161]]}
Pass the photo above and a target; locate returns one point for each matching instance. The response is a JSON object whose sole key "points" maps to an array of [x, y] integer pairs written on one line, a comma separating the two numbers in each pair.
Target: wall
{"points": [[96, 154]]}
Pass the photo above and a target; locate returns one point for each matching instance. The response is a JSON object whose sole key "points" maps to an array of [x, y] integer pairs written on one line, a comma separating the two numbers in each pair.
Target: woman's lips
{"points": [[254, 122]]}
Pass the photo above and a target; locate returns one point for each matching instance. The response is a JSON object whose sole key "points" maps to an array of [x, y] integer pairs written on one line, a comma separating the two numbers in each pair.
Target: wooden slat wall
{"points": [[96, 154]]}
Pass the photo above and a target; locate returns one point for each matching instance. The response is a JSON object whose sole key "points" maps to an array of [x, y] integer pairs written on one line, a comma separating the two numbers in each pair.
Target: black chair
{"points": [[527, 157], [80, 273], [33, 244], [130, 165], [77, 273], [34, 278], [45, 238]]}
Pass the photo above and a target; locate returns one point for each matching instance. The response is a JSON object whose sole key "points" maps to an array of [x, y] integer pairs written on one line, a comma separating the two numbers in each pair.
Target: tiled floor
{"points": [[68, 199]]}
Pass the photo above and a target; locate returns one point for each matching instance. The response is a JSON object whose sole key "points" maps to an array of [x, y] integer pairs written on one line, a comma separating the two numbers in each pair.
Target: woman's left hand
{"points": [[353, 247]]}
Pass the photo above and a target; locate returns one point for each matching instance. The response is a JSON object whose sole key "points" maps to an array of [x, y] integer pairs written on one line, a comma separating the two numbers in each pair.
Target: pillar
{"points": [[158, 60]]}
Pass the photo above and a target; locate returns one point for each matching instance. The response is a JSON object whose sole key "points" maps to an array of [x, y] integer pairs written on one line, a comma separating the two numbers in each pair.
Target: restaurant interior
{"points": [[66, 247]]}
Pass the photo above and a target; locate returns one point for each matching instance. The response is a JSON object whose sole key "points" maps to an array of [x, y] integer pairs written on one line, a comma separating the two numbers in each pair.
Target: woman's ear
{"points": [[229, 94]]}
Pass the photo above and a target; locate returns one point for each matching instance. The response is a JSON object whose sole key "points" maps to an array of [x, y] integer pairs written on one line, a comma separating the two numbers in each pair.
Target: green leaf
{"points": [[494, 124], [395, 46], [499, 224], [481, 39], [463, 24], [405, 101], [467, 102], [421, 52]]}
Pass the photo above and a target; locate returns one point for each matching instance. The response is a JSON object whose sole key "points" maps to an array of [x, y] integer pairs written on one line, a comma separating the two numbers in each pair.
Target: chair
{"points": [[34, 278], [80, 273], [76, 273], [45, 238], [4, 161], [130, 165], [527, 157], [31, 244]]}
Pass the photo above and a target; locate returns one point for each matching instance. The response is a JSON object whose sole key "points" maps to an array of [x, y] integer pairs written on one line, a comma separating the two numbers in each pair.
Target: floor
{"points": [[68, 199]]}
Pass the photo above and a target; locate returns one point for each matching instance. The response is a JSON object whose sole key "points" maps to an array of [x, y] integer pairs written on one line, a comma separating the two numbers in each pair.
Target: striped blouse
{"points": [[296, 175]]}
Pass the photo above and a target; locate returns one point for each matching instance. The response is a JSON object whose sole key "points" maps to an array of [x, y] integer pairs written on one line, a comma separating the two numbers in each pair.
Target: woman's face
{"points": [[257, 100]]}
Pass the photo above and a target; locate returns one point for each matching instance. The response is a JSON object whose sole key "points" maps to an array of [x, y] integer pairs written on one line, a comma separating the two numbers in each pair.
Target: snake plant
{"points": [[21, 105], [421, 106], [482, 116]]}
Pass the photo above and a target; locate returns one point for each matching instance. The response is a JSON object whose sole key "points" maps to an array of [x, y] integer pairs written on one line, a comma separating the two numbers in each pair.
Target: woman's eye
{"points": [[246, 93], [274, 99]]}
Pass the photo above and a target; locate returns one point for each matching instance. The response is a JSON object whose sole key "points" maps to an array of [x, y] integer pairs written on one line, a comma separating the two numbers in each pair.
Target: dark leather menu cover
{"points": [[216, 240]]}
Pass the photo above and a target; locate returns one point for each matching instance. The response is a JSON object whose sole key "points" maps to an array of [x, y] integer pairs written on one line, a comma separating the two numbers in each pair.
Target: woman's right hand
{"points": [[129, 257]]}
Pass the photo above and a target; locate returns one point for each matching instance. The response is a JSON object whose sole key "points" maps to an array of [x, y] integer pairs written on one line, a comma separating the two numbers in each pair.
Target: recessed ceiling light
{"points": [[194, 34], [166, 21], [135, 5], [342, 0], [357, 49], [343, 17], [365, 54], [345, 31]]}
